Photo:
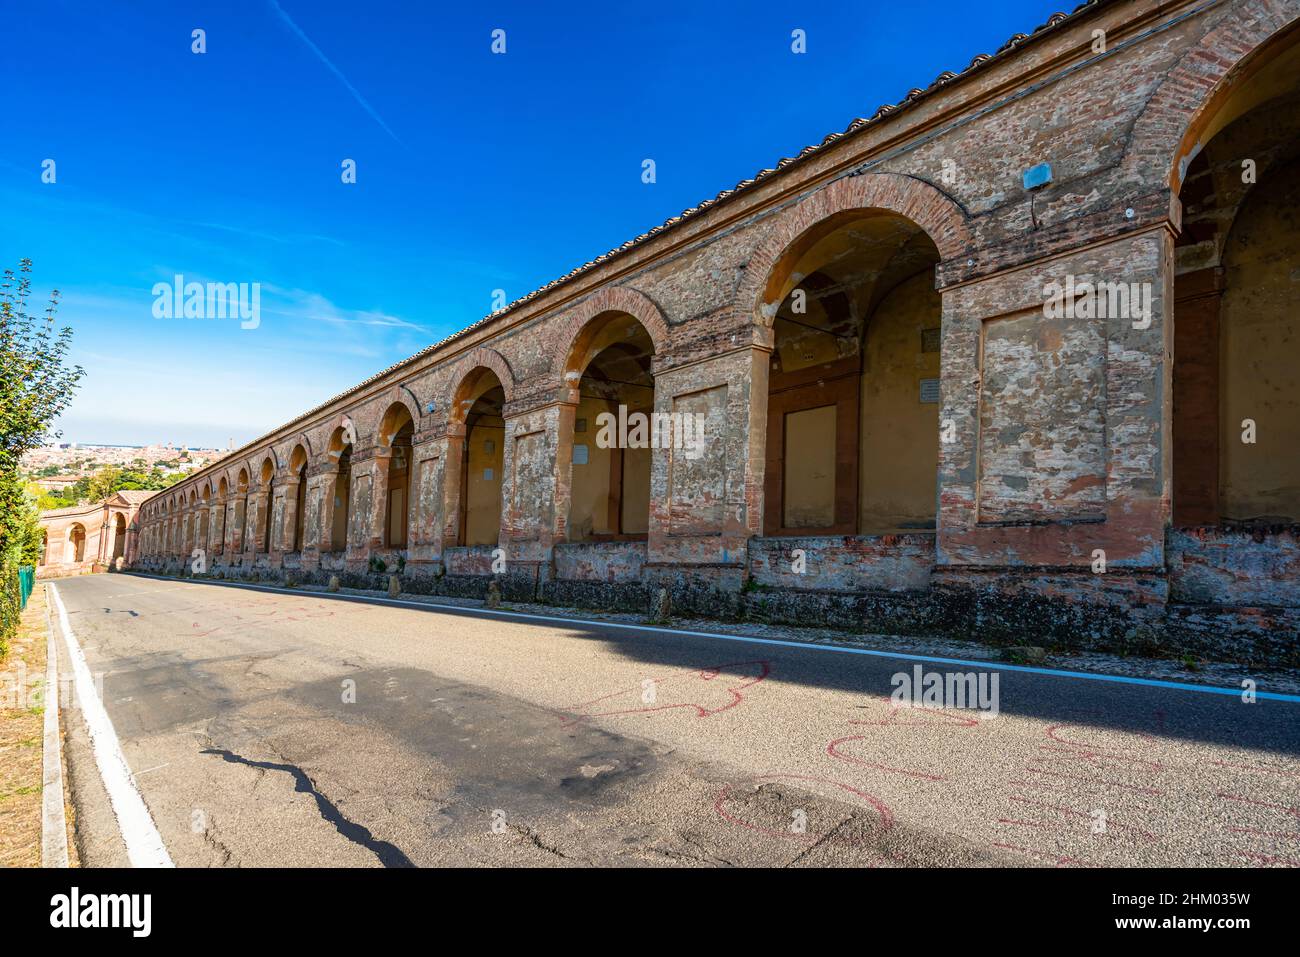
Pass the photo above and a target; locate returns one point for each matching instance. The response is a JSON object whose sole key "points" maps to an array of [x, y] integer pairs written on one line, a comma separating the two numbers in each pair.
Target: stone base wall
{"points": [[850, 563], [1215, 565], [862, 587]]}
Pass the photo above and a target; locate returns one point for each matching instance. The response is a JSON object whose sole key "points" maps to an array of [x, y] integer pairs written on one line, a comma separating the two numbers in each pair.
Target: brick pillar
{"points": [[317, 513], [1022, 389], [538, 446], [217, 528], [280, 505], [566, 416], [255, 522], [287, 492], [427, 508], [235, 514], [361, 508], [377, 537], [452, 479], [705, 507]]}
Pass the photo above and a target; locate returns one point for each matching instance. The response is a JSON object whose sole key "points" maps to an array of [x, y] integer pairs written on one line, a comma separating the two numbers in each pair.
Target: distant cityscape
{"points": [[66, 470]]}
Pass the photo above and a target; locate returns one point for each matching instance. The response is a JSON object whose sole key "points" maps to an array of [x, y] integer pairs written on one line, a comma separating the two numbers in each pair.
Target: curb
{"points": [[54, 823]]}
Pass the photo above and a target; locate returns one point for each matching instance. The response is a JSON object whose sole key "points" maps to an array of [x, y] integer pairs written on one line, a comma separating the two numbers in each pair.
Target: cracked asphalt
{"points": [[293, 729]]}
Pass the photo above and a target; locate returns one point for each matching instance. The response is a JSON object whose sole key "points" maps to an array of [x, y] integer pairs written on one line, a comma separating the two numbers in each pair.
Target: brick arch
{"points": [[303, 439], [298, 442], [480, 358], [255, 467], [1166, 133], [396, 395], [621, 299], [345, 422], [943, 220]]}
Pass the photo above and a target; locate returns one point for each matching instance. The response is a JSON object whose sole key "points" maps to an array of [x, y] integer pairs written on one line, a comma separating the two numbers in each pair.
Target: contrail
{"points": [[356, 95]]}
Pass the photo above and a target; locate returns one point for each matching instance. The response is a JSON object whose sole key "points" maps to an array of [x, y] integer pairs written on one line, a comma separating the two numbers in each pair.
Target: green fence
{"points": [[26, 581]]}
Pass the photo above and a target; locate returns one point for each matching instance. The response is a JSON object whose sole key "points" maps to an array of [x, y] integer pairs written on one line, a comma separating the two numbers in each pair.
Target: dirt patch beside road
{"points": [[22, 735]]}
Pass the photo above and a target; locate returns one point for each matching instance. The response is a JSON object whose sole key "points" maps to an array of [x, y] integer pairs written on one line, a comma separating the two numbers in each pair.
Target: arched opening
{"points": [[119, 536], [298, 469], [1236, 415], [853, 389], [479, 402], [76, 551], [612, 441], [396, 432], [264, 509], [340, 452]]}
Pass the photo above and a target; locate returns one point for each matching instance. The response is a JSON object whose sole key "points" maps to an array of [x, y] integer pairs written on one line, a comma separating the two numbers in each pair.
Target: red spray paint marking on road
{"points": [[1099, 759], [733, 697], [1284, 808], [1269, 859]]}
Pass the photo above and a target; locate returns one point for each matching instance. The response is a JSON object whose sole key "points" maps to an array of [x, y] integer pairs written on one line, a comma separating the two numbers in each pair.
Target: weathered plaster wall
{"points": [[899, 447], [849, 564], [1223, 566], [486, 442]]}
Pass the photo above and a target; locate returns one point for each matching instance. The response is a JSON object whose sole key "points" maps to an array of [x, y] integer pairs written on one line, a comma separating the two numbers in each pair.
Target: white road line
{"points": [[144, 845], [54, 824]]}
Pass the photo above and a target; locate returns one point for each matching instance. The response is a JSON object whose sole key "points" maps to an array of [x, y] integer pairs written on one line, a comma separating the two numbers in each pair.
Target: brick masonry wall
{"points": [[1060, 430], [847, 564], [1209, 565]]}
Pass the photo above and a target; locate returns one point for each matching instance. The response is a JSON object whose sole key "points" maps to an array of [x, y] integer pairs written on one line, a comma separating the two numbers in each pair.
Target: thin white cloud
{"points": [[356, 94]]}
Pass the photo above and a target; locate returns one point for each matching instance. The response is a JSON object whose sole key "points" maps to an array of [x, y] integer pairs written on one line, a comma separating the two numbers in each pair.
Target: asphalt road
{"points": [[298, 729]]}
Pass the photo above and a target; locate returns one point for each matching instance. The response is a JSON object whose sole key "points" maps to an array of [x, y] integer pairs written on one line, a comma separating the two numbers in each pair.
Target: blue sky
{"points": [[475, 171]]}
